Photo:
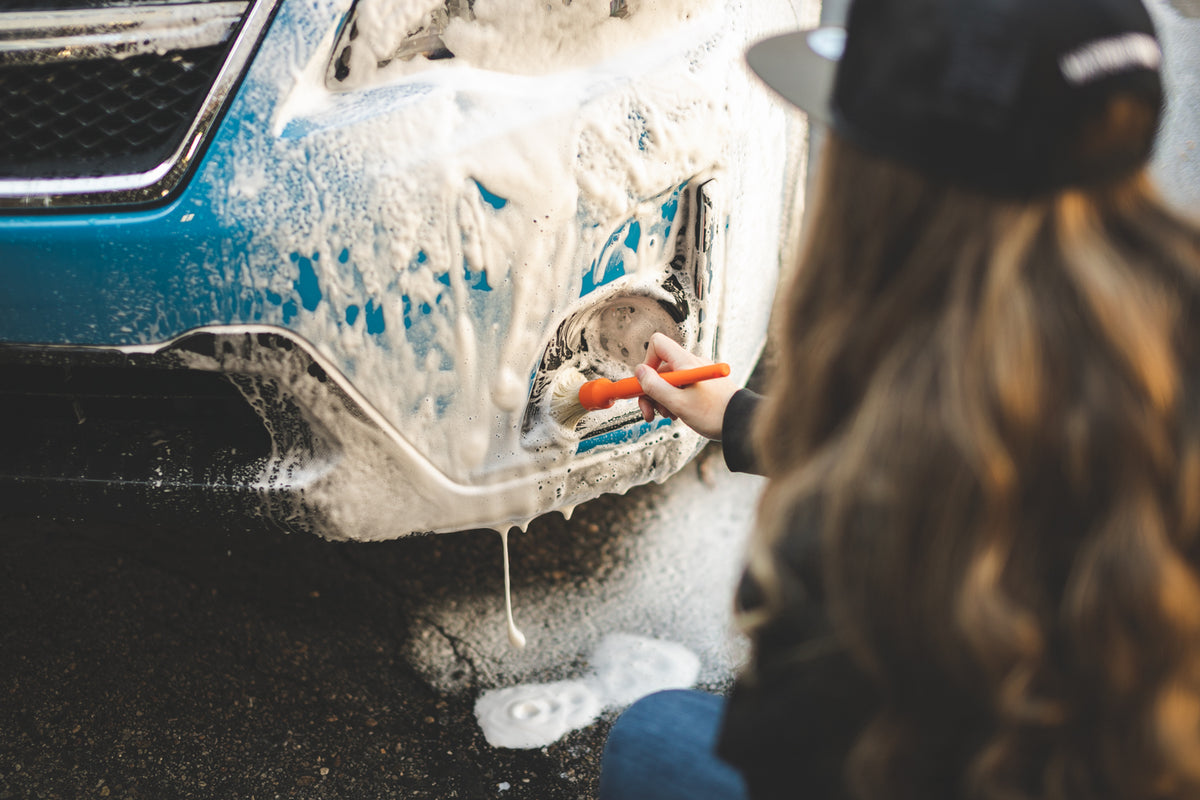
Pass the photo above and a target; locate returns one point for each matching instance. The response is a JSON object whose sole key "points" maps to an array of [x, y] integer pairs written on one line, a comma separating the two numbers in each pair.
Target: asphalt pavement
{"points": [[168, 659], [189, 658]]}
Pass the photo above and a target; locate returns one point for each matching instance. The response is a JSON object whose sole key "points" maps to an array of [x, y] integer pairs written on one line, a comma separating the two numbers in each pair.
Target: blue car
{"points": [[328, 261]]}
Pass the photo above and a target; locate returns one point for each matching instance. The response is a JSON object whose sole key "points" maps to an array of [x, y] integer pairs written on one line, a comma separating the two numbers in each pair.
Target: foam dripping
{"points": [[515, 637]]}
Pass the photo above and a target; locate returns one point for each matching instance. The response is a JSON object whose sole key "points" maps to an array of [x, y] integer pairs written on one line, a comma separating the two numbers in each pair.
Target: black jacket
{"points": [[792, 716]]}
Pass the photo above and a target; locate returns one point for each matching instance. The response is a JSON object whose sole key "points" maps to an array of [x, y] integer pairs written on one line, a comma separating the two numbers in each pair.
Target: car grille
{"points": [[209, 421], [119, 420], [79, 119], [103, 102]]}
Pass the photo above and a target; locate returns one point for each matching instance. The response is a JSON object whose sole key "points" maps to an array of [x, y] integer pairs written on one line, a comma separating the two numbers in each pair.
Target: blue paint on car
{"points": [[374, 317], [473, 280], [481, 284], [629, 433], [644, 235], [307, 285], [307, 219], [635, 236], [592, 282], [164, 270], [589, 282], [669, 210], [494, 200], [615, 267], [670, 207]]}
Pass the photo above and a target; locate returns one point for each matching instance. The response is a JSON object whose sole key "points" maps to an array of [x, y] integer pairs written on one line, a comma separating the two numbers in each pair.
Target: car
{"points": [[328, 262]]}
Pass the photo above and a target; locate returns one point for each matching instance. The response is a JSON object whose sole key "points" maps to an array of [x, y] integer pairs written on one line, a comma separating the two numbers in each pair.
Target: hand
{"points": [[700, 406]]}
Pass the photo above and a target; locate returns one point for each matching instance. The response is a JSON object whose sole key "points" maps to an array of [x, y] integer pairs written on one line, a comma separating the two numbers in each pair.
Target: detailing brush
{"points": [[573, 395]]}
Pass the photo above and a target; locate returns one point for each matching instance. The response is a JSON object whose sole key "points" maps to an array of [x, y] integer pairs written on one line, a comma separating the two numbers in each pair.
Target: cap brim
{"points": [[801, 66]]}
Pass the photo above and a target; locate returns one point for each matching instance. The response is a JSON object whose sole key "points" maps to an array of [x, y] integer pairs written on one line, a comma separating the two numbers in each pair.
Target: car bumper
{"points": [[436, 276]]}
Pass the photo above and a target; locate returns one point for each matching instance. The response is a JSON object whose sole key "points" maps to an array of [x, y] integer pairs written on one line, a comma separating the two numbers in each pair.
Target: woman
{"points": [[975, 570]]}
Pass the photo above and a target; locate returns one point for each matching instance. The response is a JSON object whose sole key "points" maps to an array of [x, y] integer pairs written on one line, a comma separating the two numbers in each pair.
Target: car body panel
{"points": [[424, 239]]}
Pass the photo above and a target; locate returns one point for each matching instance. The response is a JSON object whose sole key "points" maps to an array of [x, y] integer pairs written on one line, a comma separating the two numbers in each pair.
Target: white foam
{"points": [[515, 637], [575, 131], [672, 556], [630, 667], [534, 715], [624, 668]]}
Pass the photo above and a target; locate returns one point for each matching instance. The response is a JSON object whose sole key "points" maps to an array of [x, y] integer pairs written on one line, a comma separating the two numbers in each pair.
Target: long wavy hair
{"points": [[995, 404]]}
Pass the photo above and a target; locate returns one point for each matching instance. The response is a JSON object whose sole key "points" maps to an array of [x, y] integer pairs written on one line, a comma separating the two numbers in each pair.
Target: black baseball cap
{"points": [[990, 94]]}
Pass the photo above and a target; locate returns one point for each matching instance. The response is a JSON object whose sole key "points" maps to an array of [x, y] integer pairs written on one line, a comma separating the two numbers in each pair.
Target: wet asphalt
{"points": [[169, 659]]}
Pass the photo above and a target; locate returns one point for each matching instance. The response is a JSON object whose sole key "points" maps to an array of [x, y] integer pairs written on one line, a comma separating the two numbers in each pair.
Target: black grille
{"points": [[119, 423], [102, 116]]}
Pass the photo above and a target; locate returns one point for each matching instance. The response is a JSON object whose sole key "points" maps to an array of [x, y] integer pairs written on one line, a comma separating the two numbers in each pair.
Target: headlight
{"points": [[376, 33]]}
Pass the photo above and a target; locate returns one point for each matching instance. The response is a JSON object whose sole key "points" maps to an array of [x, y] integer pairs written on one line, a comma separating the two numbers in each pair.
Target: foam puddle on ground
{"points": [[624, 668], [535, 715], [663, 563]]}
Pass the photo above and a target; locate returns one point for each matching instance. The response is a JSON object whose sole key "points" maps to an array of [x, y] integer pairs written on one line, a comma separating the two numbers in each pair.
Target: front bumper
{"points": [[256, 422], [437, 249]]}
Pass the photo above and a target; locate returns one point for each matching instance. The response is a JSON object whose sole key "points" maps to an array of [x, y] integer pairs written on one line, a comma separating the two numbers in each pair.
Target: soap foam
{"points": [[534, 715], [662, 562], [515, 637], [629, 667], [624, 668], [386, 195]]}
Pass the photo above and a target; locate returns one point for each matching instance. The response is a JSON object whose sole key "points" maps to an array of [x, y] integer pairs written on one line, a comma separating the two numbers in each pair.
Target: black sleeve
{"points": [[735, 432], [794, 714]]}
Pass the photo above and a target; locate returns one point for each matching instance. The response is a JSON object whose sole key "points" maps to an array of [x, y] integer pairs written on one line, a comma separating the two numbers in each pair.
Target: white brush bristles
{"points": [[564, 397]]}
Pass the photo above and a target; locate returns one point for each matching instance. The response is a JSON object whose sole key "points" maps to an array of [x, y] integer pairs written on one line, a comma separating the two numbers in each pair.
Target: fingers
{"points": [[661, 396], [649, 409], [701, 406], [652, 385], [663, 351], [663, 354]]}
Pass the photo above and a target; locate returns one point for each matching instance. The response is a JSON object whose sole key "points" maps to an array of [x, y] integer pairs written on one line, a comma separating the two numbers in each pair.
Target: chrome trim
{"points": [[40, 37], [425, 40], [156, 183]]}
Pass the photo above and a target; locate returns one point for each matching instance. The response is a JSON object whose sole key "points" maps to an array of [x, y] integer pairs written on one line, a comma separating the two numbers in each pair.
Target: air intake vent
{"points": [[108, 103], [106, 117]]}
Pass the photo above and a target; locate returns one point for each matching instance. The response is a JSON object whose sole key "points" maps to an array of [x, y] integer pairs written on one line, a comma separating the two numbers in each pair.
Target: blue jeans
{"points": [[663, 748]]}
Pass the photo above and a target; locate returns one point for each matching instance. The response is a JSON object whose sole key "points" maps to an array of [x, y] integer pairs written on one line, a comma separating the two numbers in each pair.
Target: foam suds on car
{"points": [[440, 222], [552, 36]]}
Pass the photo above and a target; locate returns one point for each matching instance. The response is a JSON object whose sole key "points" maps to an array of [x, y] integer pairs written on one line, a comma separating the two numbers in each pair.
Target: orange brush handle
{"points": [[601, 392]]}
